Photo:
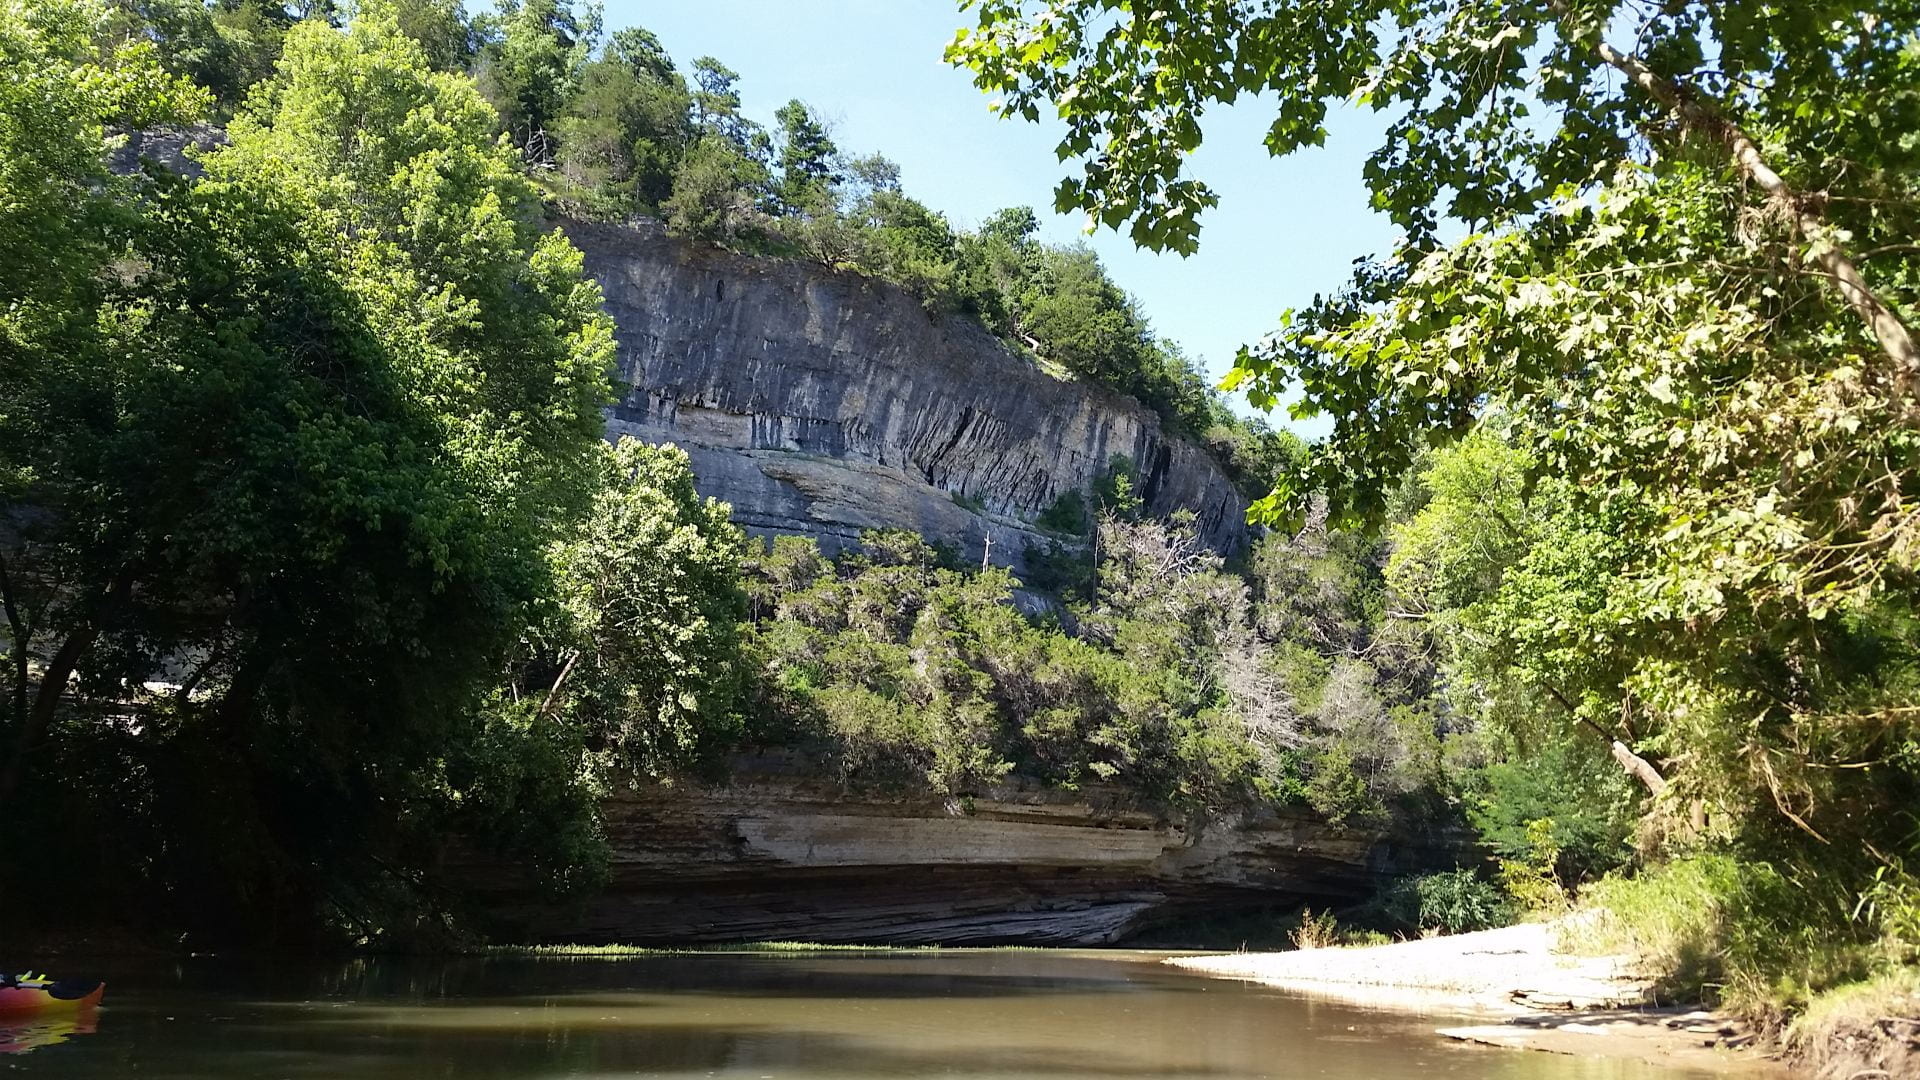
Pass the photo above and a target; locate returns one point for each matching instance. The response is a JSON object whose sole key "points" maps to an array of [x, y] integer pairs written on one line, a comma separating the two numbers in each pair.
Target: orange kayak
{"points": [[46, 995]]}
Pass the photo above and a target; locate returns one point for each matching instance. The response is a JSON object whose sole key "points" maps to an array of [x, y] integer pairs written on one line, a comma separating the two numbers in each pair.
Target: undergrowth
{"points": [[1769, 941]]}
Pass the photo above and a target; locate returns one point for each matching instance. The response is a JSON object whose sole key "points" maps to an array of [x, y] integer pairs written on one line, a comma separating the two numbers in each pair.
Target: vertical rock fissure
{"points": [[891, 412]]}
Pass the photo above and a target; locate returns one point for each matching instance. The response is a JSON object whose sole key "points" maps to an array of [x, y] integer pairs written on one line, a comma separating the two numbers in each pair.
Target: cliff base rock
{"points": [[786, 857]]}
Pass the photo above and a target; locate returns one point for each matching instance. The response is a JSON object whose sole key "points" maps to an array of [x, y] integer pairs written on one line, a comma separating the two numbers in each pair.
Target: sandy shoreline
{"points": [[1528, 995]]}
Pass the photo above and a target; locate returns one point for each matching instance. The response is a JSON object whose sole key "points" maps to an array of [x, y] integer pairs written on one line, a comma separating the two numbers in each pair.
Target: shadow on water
{"points": [[497, 980], [990, 1016], [297, 1050]]}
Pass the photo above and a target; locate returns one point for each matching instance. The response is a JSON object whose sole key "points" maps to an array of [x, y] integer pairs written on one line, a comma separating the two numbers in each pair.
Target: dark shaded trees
{"points": [[530, 66], [282, 486]]}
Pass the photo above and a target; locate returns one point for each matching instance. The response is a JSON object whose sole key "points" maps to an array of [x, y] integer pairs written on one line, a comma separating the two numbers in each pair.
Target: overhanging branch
{"points": [[1892, 334]]}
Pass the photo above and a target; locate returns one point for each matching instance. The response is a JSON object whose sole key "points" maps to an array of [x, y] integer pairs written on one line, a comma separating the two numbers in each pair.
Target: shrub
{"points": [[1320, 930], [1061, 569], [1534, 881], [1115, 489], [1456, 902], [1590, 806], [1067, 516], [1337, 792], [1449, 902], [1316, 931]]}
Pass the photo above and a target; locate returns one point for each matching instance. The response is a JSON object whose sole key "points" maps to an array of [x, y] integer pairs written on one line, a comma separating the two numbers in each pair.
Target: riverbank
{"points": [[1530, 994]]}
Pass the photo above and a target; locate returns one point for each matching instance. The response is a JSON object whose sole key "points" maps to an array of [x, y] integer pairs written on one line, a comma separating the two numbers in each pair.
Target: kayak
{"points": [[47, 995]]}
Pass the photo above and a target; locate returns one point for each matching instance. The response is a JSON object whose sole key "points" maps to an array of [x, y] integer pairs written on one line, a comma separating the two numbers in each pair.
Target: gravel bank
{"points": [[1529, 994]]}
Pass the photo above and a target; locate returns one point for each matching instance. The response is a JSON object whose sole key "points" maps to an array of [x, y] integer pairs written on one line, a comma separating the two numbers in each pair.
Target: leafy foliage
{"points": [[912, 673], [1497, 106], [645, 651], [1564, 808], [531, 65], [624, 134], [807, 157], [1675, 339], [279, 488], [1447, 902]]}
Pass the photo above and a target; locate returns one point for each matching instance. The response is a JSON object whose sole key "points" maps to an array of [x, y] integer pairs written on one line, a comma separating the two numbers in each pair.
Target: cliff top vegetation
{"points": [[611, 127]]}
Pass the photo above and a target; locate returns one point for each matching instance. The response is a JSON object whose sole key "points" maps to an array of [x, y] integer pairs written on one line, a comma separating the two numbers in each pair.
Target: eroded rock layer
{"points": [[824, 404], [779, 855]]}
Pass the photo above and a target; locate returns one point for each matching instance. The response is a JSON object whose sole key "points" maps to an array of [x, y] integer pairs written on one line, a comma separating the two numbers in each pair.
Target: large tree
{"points": [[642, 656], [283, 473], [530, 67], [808, 169], [1685, 295], [623, 134]]}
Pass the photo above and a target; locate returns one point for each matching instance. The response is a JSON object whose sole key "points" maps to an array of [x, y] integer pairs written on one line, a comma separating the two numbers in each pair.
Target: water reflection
{"points": [[26, 1036], [986, 1015]]}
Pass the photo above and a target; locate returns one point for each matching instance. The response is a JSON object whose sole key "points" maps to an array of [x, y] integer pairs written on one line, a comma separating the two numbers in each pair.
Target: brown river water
{"points": [[956, 1014]]}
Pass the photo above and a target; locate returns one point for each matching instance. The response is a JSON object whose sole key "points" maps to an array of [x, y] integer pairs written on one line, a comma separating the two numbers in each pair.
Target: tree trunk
{"points": [[1639, 768], [1895, 340], [53, 681], [53, 684], [553, 693], [18, 637], [228, 721]]}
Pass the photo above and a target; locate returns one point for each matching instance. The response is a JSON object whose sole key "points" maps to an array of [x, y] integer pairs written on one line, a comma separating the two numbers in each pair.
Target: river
{"points": [[953, 1014]]}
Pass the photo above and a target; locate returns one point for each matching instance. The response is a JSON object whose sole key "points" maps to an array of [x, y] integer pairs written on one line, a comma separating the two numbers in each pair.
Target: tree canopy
{"points": [[1672, 346], [316, 573], [293, 463]]}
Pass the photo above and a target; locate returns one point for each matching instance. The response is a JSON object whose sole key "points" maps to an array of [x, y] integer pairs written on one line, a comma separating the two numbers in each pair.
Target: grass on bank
{"points": [[1674, 919], [1832, 976], [1854, 1010]]}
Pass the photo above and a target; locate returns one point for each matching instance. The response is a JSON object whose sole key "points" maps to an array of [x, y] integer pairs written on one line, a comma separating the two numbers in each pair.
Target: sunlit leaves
{"points": [[648, 626], [59, 100], [1133, 86]]}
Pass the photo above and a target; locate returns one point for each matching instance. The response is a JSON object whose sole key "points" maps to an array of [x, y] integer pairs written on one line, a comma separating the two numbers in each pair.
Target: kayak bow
{"points": [[44, 995]]}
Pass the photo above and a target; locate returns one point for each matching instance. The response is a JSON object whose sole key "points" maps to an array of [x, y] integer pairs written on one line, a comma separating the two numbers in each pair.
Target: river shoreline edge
{"points": [[1513, 988], [1509, 988]]}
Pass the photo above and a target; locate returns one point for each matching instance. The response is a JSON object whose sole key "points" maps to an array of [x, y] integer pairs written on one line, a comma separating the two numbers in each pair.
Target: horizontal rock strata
{"points": [[778, 857]]}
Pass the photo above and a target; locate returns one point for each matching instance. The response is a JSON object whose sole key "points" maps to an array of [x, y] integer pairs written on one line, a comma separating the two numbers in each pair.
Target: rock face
{"points": [[823, 404], [782, 855], [165, 147]]}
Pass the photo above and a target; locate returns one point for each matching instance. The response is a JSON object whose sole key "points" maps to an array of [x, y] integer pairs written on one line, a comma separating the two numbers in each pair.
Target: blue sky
{"points": [[1284, 230]]}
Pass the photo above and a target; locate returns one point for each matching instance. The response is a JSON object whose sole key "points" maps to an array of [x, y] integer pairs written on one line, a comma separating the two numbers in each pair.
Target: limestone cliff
{"points": [[780, 853], [823, 404]]}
